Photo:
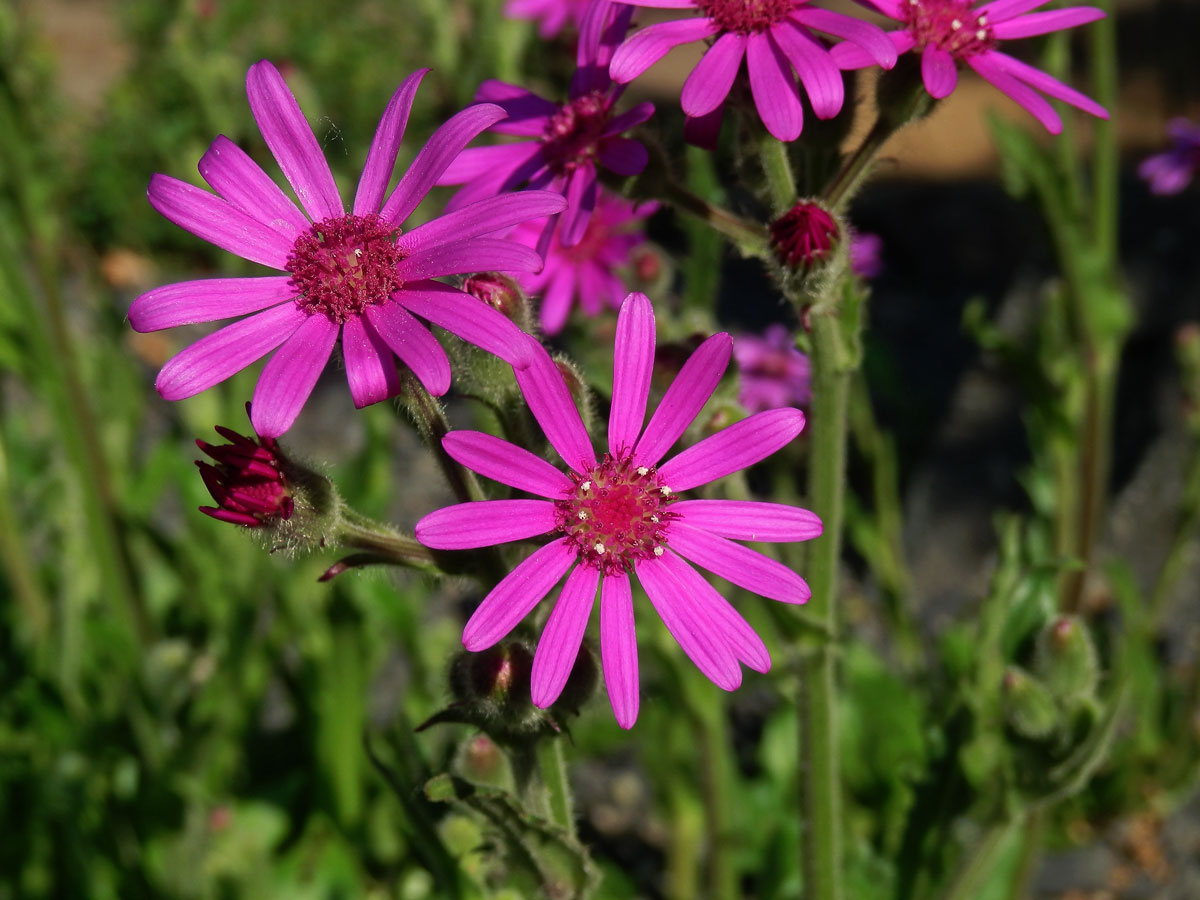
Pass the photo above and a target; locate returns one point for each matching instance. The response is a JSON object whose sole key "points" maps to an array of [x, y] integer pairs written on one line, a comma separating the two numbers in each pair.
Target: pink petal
{"points": [[663, 4], [214, 358], [893, 9], [991, 70], [413, 343], [938, 71], [737, 447], [290, 375], [694, 631], [737, 564], [438, 153], [581, 200], [481, 218], [516, 596], [507, 463], [1000, 10], [742, 639], [633, 364], [556, 300], [870, 38], [550, 402], [708, 84], [559, 646], [190, 302], [749, 520], [485, 523], [820, 76], [774, 88], [625, 156], [370, 363], [381, 158], [1046, 84], [1046, 22], [291, 142], [478, 255], [618, 647], [629, 119], [527, 112], [237, 178], [211, 218], [488, 162], [652, 43], [462, 315], [851, 56], [684, 398]]}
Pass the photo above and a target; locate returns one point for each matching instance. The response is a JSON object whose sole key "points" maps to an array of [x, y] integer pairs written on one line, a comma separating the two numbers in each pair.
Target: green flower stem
{"points": [[1106, 160], [857, 166], [431, 421], [34, 605], [552, 767], [384, 543], [971, 876], [777, 168], [749, 237]]}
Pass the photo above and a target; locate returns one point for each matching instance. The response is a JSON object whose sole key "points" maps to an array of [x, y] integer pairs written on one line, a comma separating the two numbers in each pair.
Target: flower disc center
{"points": [[344, 264], [950, 25], [616, 514], [573, 134], [746, 15]]}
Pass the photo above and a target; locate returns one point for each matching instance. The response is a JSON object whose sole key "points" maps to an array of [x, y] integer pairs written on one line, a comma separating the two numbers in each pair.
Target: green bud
{"points": [[1065, 659], [1029, 708]]}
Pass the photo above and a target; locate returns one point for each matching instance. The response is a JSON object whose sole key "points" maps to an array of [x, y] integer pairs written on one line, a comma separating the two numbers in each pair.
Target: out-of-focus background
{"points": [[184, 715]]}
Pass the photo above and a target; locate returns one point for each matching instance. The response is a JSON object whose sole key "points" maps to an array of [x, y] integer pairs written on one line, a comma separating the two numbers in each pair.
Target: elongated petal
{"points": [[696, 633], [488, 162], [581, 200], [381, 158], [870, 38], [893, 9], [478, 255], [741, 638], [516, 596], [290, 375], [740, 565], [370, 363], [482, 218], [708, 84], [484, 523], [1034, 103], [850, 56], [685, 398], [214, 358], [414, 344], [292, 142], [618, 647], [551, 404], [556, 299], [774, 88], [190, 302], [1000, 10], [527, 112], [562, 636], [750, 520], [625, 156], [439, 151], [238, 178], [633, 364], [938, 71], [652, 43], [1046, 84], [821, 78], [211, 218], [628, 119], [473, 321], [506, 463], [1046, 22]]}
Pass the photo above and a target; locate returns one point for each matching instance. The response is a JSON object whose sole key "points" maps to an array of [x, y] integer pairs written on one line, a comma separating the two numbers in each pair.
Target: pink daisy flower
{"points": [[356, 275], [586, 271], [772, 372], [568, 140], [1171, 171], [551, 15], [949, 32], [622, 515], [774, 37]]}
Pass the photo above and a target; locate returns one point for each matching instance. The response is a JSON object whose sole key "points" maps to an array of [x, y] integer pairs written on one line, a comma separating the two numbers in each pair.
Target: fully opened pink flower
{"points": [[949, 32], [623, 515], [567, 141], [356, 275], [587, 270], [773, 373], [775, 37]]}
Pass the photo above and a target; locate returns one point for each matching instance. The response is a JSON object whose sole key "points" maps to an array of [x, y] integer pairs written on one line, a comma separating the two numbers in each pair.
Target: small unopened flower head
{"points": [[247, 481], [804, 236], [1066, 659], [1028, 706]]}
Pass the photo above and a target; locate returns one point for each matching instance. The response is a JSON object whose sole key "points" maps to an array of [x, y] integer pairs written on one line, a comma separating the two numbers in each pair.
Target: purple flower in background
{"points": [[774, 37], [866, 254], [566, 142], [586, 271], [772, 372], [622, 515], [947, 32], [551, 15], [1170, 172], [356, 275]]}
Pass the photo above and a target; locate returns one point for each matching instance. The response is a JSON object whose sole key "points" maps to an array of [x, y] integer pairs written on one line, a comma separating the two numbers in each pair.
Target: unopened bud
{"points": [[1028, 706], [804, 236], [499, 674], [501, 293], [1065, 659]]}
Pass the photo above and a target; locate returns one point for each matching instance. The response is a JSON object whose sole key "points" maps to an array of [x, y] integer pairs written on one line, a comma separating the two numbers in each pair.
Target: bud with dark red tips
{"points": [[804, 236], [247, 482]]}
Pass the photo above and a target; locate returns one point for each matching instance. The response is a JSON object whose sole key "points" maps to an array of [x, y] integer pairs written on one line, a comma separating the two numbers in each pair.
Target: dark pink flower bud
{"points": [[247, 482], [804, 235]]}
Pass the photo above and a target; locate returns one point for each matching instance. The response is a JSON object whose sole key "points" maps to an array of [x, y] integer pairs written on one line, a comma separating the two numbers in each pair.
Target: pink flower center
{"points": [[342, 265], [572, 136], [950, 25], [617, 514], [746, 15], [803, 235]]}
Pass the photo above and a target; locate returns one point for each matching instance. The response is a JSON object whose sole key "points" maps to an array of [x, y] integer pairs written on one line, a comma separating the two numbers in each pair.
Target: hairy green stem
{"points": [[777, 168], [361, 533], [749, 237], [552, 767], [979, 862]]}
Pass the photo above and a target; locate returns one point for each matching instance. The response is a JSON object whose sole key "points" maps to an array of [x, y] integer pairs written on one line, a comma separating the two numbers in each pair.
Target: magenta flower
{"points": [[774, 37], [551, 15], [866, 254], [772, 372], [947, 32], [1170, 172], [355, 275], [247, 483], [567, 141], [588, 270], [623, 515]]}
